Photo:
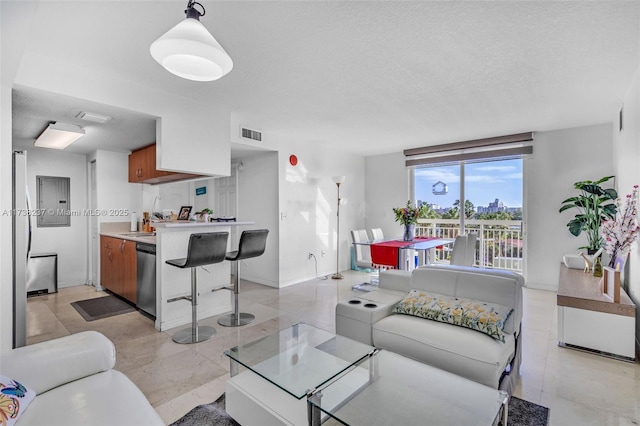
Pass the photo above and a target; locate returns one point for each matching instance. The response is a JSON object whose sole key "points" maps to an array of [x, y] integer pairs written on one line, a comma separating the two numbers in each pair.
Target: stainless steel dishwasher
{"points": [[146, 265]]}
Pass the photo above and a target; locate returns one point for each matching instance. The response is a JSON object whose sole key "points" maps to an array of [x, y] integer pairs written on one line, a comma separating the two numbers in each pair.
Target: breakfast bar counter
{"points": [[172, 240]]}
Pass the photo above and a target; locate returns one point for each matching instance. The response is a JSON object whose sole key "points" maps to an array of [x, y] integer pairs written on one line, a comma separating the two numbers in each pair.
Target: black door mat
{"points": [[102, 307]]}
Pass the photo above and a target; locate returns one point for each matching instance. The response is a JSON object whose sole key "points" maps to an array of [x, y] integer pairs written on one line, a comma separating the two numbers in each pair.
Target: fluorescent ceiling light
{"points": [[59, 136], [189, 51], [92, 116]]}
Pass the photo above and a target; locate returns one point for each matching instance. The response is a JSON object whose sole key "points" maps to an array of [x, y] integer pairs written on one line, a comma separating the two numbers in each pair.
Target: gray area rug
{"points": [[525, 413], [521, 413], [207, 414], [102, 307]]}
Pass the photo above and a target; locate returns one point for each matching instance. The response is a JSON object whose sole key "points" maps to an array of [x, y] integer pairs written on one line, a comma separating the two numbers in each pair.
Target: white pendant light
{"points": [[189, 51]]}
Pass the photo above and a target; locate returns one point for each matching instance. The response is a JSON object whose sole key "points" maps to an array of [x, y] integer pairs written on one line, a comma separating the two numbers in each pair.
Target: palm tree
{"points": [[469, 209], [426, 212]]}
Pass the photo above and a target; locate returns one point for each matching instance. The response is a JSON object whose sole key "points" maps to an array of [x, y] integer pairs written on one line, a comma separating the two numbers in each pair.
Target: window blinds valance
{"points": [[510, 146]]}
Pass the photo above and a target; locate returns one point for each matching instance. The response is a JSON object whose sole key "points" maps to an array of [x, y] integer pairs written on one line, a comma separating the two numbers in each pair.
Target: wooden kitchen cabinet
{"points": [[141, 164], [142, 168], [118, 267]]}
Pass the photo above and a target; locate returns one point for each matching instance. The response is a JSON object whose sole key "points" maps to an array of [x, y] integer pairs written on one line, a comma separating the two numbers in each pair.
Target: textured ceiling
{"points": [[374, 77]]}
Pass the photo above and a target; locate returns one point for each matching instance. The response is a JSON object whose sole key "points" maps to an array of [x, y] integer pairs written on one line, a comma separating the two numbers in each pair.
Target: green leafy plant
{"points": [[205, 211], [595, 205]]}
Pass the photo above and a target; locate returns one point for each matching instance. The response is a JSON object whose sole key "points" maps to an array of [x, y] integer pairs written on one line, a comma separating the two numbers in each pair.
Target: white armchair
{"points": [[76, 384]]}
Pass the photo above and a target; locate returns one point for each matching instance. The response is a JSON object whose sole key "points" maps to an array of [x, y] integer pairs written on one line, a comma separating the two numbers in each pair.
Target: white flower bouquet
{"points": [[621, 232]]}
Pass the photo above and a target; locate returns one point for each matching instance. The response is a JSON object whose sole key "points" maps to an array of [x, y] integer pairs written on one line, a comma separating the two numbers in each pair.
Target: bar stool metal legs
{"points": [[252, 244], [236, 318], [197, 333]]}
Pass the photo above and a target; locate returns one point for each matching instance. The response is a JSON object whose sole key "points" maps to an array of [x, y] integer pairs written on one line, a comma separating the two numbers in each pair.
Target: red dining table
{"points": [[388, 254]]}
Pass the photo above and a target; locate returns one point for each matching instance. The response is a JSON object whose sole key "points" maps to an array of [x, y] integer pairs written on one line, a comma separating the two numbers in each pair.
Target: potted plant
{"points": [[595, 205], [203, 215]]}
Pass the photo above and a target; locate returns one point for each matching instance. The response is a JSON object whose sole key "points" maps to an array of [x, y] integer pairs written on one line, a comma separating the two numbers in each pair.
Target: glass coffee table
{"points": [[394, 389], [299, 359], [303, 375]]}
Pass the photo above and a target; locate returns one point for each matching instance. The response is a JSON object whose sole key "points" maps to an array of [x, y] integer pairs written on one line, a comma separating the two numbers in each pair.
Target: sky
{"points": [[485, 182]]}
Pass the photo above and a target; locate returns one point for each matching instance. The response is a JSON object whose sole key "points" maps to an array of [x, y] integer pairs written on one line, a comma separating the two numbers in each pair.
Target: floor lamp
{"points": [[338, 276]]}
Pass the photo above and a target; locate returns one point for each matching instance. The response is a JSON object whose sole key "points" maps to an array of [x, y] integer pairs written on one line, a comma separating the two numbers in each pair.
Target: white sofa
{"points": [[369, 318], [75, 384]]}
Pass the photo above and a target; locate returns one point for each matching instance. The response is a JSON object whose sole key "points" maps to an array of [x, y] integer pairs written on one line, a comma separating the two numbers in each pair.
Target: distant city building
{"points": [[495, 207]]}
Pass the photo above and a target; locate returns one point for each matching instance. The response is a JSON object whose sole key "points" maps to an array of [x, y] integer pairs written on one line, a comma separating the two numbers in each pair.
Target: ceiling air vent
{"points": [[92, 116], [251, 134]]}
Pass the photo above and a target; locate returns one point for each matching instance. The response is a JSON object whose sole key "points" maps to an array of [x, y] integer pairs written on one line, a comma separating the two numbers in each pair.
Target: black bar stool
{"points": [[204, 249], [252, 244]]}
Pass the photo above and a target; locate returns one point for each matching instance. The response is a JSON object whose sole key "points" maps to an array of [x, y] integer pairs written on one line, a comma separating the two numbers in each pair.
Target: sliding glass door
{"points": [[485, 197]]}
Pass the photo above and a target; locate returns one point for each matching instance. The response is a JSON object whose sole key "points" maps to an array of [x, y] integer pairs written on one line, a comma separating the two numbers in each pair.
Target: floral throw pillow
{"points": [[14, 399], [487, 318]]}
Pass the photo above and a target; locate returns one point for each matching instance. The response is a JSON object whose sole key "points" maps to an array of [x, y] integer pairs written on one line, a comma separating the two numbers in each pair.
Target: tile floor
{"points": [[579, 388]]}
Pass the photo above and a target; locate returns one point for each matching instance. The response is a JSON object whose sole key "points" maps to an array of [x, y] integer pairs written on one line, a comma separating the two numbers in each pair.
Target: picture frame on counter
{"points": [[185, 212]]}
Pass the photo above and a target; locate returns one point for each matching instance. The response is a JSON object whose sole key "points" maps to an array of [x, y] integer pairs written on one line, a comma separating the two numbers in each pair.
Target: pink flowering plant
{"points": [[619, 233], [409, 215]]}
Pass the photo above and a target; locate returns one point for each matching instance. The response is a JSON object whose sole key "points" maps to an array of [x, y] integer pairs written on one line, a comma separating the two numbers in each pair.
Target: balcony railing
{"points": [[499, 243]]}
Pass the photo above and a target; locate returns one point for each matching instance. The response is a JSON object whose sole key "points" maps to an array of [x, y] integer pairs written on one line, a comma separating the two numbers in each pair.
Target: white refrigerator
{"points": [[22, 228]]}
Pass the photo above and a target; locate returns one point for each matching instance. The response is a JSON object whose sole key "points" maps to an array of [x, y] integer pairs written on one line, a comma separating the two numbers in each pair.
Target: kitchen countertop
{"points": [[139, 237], [150, 237], [190, 224]]}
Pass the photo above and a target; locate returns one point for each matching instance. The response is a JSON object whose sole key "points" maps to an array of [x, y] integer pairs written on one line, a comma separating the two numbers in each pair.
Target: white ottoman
{"points": [[355, 317]]}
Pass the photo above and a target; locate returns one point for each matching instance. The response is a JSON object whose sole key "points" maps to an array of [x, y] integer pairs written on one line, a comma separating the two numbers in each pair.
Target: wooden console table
{"points": [[588, 320]]}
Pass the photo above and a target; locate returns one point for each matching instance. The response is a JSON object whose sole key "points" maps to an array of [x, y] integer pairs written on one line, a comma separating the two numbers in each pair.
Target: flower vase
{"points": [[409, 232]]}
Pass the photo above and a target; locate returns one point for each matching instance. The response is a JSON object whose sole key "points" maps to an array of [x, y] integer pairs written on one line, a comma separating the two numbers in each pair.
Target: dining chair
{"points": [[464, 250], [458, 252], [362, 251], [470, 252], [376, 234]]}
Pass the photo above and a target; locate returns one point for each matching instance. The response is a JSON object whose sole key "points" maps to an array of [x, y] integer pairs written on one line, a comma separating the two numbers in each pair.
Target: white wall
{"points": [[68, 242], [175, 195], [308, 203], [206, 200], [387, 186], [559, 159], [114, 192], [626, 151], [258, 202]]}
